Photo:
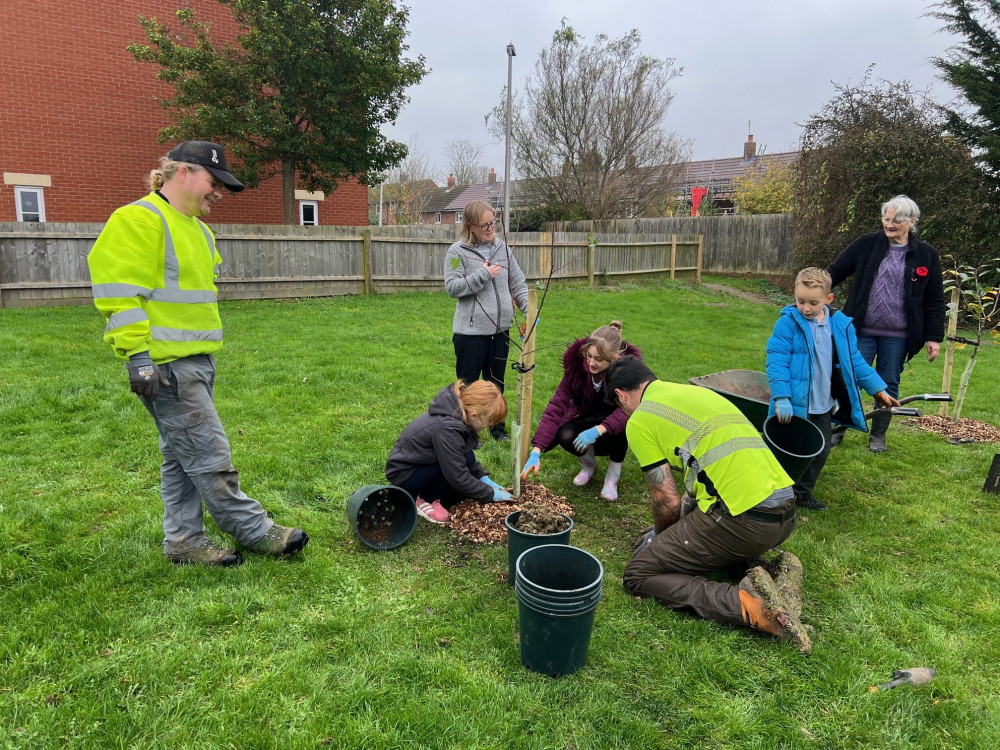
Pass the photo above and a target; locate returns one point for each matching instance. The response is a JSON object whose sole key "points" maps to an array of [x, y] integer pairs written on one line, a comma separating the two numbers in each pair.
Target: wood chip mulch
{"points": [[964, 430], [483, 522]]}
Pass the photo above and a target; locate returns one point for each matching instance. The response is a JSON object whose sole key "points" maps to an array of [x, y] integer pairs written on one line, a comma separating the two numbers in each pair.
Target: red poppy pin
{"points": [[921, 271]]}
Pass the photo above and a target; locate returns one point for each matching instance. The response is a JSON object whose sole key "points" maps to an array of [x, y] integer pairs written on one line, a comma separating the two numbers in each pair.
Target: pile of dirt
{"points": [[483, 522], [964, 430], [536, 518]]}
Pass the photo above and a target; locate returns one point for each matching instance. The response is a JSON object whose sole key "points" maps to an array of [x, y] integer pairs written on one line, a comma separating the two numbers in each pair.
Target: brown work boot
{"points": [[207, 554], [280, 541], [764, 609]]}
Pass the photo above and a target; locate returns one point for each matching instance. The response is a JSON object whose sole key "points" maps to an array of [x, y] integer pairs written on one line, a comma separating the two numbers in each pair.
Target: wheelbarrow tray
{"points": [[748, 390]]}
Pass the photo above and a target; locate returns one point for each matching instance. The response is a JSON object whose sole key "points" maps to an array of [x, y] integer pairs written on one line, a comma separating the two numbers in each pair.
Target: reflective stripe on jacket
{"points": [[153, 273], [719, 454]]}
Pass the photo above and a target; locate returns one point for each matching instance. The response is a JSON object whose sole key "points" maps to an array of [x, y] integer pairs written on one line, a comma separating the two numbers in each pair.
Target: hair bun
{"points": [[616, 324]]}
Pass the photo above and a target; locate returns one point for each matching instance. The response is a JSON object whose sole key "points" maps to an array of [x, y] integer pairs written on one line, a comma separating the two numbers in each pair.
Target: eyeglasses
{"points": [[886, 220], [486, 225]]}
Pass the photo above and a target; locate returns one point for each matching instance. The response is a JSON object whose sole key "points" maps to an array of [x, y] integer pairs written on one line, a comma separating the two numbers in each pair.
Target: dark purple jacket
{"points": [[923, 295], [575, 396]]}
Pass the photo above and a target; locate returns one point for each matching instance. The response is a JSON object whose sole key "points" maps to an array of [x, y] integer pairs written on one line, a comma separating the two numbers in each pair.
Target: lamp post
{"points": [[506, 161]]}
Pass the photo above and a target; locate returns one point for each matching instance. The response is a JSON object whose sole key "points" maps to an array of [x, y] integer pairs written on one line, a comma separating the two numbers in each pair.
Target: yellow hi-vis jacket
{"points": [[153, 271], [702, 435]]}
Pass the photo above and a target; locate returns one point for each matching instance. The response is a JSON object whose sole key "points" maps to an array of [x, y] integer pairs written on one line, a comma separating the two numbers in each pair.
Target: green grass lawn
{"points": [[104, 644]]}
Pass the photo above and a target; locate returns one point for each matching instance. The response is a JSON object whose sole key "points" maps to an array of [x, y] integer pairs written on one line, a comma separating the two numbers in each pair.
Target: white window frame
{"points": [[302, 211], [19, 190], [458, 217], [437, 217]]}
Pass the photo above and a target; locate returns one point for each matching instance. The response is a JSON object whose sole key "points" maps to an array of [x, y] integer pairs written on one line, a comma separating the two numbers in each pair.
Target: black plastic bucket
{"points": [[383, 516], [795, 444], [519, 541], [558, 588]]}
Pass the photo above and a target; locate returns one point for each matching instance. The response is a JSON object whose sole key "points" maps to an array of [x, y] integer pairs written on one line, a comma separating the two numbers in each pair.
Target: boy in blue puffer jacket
{"points": [[814, 369]]}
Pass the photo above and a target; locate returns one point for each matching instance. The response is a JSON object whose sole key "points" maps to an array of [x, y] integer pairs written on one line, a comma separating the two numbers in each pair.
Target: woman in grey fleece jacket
{"points": [[481, 273]]}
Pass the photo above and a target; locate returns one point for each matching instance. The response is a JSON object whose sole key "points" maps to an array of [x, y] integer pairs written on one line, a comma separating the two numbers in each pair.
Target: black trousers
{"points": [[429, 483], [613, 446], [481, 355], [807, 482]]}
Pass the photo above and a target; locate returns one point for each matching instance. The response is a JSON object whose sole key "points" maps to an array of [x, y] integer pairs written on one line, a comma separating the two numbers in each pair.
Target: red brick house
{"points": [[79, 117]]}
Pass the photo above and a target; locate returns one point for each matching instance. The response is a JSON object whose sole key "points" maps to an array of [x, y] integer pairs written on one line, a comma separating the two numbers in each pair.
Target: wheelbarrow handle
{"points": [[927, 397], [897, 411]]}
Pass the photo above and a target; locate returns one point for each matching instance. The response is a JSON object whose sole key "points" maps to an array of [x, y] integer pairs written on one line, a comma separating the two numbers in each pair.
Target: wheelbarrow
{"points": [[794, 443]]}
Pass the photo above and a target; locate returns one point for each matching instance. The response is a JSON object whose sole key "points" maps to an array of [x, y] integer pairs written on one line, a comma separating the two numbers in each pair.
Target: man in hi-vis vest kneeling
{"points": [[153, 271], [738, 503]]}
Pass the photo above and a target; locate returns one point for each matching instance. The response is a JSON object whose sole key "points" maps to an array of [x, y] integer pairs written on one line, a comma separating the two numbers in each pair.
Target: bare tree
{"points": [[587, 132], [465, 161], [406, 189]]}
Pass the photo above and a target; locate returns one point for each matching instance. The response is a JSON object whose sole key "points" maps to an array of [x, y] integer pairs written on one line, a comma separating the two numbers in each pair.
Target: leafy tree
{"points": [[868, 143], [465, 161], [587, 132], [973, 68], [767, 187], [303, 91]]}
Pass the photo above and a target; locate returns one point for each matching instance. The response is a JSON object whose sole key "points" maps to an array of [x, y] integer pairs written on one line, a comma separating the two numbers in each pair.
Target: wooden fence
{"points": [[46, 264], [759, 245]]}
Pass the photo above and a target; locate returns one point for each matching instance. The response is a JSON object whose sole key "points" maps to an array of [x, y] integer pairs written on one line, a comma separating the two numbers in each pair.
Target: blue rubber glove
{"points": [[783, 408], [586, 438], [531, 465], [501, 495], [490, 482]]}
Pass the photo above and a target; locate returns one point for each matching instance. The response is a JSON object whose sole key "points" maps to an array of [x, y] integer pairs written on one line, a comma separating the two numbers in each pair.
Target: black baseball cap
{"points": [[210, 156]]}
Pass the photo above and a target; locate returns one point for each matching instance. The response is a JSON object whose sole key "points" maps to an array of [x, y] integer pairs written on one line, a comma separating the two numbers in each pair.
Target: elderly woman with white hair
{"points": [[896, 300]]}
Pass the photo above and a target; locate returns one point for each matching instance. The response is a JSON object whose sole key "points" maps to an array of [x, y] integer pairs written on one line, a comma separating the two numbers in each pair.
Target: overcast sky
{"points": [[769, 62]]}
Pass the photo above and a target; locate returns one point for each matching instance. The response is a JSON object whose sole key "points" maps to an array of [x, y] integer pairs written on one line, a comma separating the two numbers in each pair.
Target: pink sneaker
{"points": [[433, 512]]}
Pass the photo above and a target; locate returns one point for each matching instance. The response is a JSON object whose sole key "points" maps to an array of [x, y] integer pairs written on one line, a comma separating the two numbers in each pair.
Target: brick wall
{"points": [[75, 105]]}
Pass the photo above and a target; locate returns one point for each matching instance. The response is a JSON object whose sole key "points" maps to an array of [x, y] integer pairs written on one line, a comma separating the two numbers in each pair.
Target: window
{"points": [[30, 203], [458, 217], [437, 218], [308, 213]]}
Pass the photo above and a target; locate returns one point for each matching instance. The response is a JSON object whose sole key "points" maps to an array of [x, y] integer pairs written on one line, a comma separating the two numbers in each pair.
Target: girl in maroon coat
{"points": [[577, 417]]}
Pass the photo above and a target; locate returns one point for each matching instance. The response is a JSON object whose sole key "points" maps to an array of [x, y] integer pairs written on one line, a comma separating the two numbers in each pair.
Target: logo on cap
{"points": [[215, 156]]}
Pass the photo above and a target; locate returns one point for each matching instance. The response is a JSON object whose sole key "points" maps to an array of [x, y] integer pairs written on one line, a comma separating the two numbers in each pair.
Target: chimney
{"points": [[451, 181], [749, 149], [493, 176]]}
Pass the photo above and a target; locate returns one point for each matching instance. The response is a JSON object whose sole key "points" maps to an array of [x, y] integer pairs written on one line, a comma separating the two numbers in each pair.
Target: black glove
{"points": [[143, 375]]}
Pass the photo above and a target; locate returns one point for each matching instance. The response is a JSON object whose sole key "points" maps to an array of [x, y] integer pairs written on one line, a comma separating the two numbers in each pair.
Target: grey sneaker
{"points": [[837, 436], [207, 554], [280, 541]]}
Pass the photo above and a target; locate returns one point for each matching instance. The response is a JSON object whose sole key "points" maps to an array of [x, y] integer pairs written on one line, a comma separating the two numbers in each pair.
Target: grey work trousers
{"points": [[197, 463], [671, 568]]}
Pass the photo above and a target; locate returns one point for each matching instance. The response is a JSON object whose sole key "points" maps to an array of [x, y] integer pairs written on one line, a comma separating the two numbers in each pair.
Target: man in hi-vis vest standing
{"points": [[738, 502], [153, 272]]}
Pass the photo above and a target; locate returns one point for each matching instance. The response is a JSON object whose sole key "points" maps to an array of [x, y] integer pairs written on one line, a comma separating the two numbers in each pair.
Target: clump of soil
{"points": [[539, 519], [483, 522], [970, 430]]}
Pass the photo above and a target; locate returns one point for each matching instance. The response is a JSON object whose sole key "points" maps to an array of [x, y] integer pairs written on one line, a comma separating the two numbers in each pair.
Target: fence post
{"points": [[545, 256], [366, 261], [673, 255], [701, 251], [949, 350], [590, 265]]}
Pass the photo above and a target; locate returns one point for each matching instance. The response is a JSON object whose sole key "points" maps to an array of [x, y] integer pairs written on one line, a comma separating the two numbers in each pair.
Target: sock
{"points": [[610, 489]]}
